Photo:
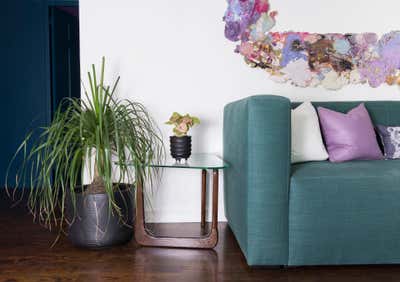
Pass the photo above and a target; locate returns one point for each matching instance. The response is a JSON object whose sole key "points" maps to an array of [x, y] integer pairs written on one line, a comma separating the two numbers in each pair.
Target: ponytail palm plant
{"points": [[100, 129]]}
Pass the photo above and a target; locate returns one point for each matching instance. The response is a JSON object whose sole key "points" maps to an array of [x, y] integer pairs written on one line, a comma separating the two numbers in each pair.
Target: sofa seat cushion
{"points": [[344, 213], [349, 170]]}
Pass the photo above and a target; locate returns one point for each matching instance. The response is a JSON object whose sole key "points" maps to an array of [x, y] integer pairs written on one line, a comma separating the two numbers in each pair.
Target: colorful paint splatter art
{"points": [[309, 59]]}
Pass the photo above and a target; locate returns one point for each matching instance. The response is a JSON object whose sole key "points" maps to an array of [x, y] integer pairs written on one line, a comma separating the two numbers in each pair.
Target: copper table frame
{"points": [[145, 238]]}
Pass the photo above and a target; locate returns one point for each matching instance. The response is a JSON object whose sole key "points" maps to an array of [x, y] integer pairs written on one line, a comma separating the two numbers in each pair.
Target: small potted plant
{"points": [[181, 143]]}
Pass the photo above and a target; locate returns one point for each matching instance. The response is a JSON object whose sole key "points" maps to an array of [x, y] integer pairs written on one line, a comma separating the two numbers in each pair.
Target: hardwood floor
{"points": [[25, 255]]}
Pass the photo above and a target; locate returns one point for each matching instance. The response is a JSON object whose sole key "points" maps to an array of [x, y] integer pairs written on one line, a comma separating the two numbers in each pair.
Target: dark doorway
{"points": [[64, 53]]}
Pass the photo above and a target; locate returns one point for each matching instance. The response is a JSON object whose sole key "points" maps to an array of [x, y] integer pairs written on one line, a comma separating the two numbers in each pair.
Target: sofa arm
{"points": [[257, 147]]}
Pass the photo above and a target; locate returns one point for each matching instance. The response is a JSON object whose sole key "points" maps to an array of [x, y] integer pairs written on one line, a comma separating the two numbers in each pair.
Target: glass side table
{"points": [[201, 162]]}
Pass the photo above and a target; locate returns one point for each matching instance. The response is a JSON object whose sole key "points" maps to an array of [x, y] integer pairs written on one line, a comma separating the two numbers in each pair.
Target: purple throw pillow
{"points": [[390, 136], [349, 136]]}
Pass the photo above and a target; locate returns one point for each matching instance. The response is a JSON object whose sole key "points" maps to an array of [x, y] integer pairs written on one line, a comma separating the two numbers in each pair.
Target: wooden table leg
{"points": [[214, 224], [145, 238], [203, 197]]}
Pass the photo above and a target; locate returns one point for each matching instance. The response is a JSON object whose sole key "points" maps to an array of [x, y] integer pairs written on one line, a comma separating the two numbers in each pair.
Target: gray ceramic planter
{"points": [[94, 226]]}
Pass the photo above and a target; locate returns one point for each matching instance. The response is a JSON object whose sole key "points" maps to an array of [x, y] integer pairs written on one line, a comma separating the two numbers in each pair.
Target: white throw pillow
{"points": [[307, 142]]}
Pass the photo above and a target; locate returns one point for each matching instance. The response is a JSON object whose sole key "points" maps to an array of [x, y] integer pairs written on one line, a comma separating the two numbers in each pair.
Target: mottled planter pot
{"points": [[181, 147], [93, 225]]}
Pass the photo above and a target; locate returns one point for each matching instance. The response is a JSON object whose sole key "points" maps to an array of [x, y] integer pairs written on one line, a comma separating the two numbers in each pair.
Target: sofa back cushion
{"points": [[381, 112]]}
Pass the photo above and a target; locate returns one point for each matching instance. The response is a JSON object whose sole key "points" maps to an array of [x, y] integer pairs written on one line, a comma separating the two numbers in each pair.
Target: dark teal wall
{"points": [[24, 72]]}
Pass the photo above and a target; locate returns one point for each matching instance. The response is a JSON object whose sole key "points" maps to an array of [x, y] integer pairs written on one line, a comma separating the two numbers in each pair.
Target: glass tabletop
{"points": [[195, 161]]}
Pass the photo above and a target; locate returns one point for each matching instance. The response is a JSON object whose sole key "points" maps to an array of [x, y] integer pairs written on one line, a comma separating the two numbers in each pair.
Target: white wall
{"points": [[172, 56]]}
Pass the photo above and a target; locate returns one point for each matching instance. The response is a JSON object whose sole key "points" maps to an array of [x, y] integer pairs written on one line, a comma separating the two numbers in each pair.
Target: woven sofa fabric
{"points": [[345, 213], [236, 177], [257, 146], [338, 213]]}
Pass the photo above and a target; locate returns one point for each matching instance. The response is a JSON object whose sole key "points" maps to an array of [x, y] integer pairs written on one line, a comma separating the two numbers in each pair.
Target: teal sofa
{"points": [[316, 213]]}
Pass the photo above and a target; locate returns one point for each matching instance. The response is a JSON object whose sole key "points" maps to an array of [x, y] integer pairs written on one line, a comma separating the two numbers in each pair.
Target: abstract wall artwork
{"points": [[309, 59]]}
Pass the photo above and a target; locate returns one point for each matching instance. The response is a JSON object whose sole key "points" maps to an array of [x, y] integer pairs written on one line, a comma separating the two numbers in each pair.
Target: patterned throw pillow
{"points": [[390, 137]]}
